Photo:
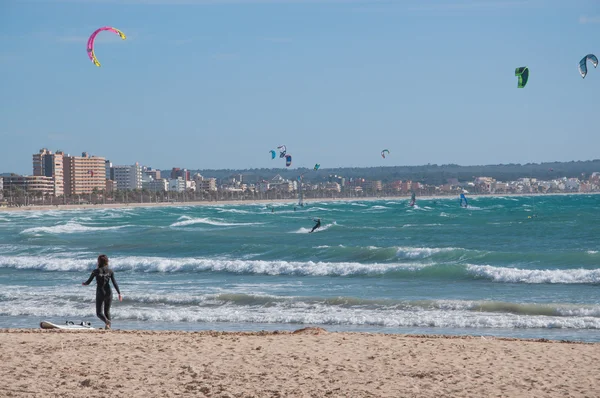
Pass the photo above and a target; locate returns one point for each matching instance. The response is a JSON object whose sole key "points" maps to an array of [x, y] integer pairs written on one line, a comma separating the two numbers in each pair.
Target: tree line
{"points": [[431, 174]]}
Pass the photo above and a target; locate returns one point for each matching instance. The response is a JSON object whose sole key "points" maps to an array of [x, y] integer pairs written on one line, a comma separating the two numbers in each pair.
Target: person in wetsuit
{"points": [[317, 225], [103, 276]]}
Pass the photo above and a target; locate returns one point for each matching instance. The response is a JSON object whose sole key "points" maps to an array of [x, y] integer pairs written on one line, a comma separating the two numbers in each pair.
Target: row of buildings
{"points": [[58, 174]]}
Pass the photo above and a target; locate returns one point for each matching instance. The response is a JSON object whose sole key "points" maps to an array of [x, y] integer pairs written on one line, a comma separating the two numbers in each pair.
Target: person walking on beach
{"points": [[103, 276]]}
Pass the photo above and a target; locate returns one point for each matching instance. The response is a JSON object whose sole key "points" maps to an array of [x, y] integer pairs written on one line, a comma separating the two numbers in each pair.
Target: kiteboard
{"points": [[69, 325]]}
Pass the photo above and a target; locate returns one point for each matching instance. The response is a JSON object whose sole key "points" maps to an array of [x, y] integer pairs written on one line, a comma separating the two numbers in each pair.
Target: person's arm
{"points": [[91, 278], [114, 282]]}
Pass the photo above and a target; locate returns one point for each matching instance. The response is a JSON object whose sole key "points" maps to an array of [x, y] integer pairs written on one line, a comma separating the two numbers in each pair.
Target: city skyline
{"points": [[216, 86]]}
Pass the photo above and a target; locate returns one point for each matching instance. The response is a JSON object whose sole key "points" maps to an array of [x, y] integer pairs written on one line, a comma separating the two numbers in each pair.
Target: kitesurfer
{"points": [[317, 225], [103, 276]]}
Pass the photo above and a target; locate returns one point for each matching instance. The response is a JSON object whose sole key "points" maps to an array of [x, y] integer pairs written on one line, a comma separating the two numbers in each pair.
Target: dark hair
{"points": [[102, 260]]}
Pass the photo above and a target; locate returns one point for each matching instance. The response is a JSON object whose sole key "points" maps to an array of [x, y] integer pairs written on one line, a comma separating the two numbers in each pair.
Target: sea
{"points": [[512, 266]]}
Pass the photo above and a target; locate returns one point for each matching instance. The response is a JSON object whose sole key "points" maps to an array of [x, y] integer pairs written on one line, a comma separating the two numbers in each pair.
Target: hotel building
{"points": [[30, 184], [128, 177], [84, 174], [48, 164]]}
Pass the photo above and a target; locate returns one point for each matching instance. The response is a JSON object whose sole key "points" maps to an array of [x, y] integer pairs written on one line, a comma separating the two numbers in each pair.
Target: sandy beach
{"points": [[305, 363]]}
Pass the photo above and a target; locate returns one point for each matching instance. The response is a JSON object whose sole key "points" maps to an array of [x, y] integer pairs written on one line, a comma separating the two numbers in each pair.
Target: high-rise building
{"points": [[183, 173], [128, 177], [48, 164], [110, 172], [155, 174], [84, 174]]}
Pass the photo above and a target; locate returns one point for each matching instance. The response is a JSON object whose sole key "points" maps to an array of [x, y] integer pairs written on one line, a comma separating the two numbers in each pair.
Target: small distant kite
{"points": [[383, 153], [282, 151], [523, 74], [92, 39], [583, 64], [317, 166], [288, 160], [273, 154]]}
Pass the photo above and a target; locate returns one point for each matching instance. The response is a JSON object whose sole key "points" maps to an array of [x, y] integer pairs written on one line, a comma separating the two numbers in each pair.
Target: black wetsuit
{"points": [[317, 225], [103, 277]]}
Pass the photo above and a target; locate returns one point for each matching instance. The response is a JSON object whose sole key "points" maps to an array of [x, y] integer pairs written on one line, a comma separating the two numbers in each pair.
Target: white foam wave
{"points": [[185, 221], [161, 264], [378, 207], [303, 313], [422, 252], [307, 230], [70, 228], [421, 225], [516, 275], [236, 211], [47, 263]]}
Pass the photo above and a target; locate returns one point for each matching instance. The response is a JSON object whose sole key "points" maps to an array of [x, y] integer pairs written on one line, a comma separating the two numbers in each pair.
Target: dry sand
{"points": [[309, 363]]}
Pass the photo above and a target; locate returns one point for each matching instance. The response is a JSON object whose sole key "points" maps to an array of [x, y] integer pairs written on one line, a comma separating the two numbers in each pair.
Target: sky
{"points": [[213, 84]]}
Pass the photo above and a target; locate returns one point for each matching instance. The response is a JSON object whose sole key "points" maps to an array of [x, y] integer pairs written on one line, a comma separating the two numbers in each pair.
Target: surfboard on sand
{"points": [[69, 325]]}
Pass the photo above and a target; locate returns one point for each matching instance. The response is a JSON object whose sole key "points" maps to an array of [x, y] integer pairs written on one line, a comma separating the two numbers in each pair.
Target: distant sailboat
{"points": [[463, 200], [412, 200], [533, 215], [300, 193]]}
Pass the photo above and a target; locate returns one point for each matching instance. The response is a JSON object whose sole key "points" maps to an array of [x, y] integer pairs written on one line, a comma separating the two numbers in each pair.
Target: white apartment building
{"points": [[177, 184], [128, 177], [160, 185]]}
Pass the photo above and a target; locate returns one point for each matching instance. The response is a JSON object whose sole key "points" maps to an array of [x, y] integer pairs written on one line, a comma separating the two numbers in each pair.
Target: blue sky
{"points": [[219, 83]]}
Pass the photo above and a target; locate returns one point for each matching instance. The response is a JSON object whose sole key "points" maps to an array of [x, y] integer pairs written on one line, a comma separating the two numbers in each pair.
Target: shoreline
{"points": [[271, 201], [309, 362]]}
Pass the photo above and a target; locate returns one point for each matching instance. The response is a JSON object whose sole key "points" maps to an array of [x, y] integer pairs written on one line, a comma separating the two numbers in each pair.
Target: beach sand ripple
{"points": [[310, 362]]}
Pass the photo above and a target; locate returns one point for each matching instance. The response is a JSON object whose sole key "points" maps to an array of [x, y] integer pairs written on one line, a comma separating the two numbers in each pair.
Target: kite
{"points": [[92, 39], [282, 151], [383, 153], [317, 166], [273, 154], [523, 74], [288, 160], [583, 64]]}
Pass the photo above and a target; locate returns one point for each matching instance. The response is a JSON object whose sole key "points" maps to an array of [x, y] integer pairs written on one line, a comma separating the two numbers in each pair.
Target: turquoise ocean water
{"points": [[374, 266]]}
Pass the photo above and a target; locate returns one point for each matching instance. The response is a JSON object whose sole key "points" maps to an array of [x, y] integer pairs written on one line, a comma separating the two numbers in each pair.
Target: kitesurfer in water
{"points": [[103, 276], [317, 225]]}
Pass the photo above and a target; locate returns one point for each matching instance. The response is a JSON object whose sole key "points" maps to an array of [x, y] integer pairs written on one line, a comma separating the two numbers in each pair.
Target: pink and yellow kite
{"points": [[90, 43]]}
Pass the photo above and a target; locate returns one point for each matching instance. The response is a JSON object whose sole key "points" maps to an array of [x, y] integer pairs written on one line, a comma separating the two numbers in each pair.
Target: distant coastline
{"points": [[270, 201]]}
